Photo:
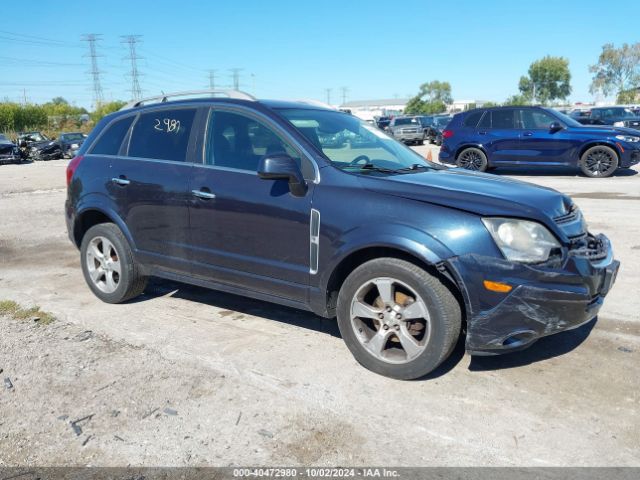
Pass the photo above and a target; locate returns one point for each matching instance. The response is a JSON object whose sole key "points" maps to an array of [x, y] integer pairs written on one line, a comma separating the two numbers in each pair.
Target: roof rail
{"points": [[236, 94]]}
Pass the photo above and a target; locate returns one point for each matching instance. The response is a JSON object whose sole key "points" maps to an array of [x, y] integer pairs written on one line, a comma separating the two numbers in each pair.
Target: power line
{"points": [[91, 39], [235, 75], [345, 91], [132, 40], [212, 79]]}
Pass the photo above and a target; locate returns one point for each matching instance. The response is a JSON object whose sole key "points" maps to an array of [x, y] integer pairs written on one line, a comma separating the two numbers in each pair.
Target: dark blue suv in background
{"points": [[483, 139], [243, 196]]}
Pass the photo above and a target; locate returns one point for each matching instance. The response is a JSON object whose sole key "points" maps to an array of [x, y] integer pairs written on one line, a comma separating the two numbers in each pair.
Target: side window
{"points": [[536, 119], [503, 119], [472, 119], [110, 141], [162, 134], [486, 120], [239, 141]]}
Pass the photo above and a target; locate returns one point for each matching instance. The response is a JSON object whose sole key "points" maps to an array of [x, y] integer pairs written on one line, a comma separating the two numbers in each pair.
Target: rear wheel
{"points": [[472, 159], [396, 319], [108, 265], [599, 161]]}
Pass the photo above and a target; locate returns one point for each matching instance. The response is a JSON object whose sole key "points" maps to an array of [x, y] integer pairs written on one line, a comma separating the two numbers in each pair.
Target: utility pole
{"points": [[345, 91], [92, 39], [131, 41], [253, 83], [212, 79], [24, 96], [328, 92], [235, 75]]}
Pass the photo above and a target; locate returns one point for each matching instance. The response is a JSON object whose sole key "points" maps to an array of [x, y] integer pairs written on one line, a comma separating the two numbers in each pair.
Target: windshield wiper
{"points": [[371, 166], [414, 167]]}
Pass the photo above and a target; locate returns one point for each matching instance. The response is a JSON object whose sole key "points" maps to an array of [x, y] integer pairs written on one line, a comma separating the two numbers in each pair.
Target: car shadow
{"points": [[544, 349], [237, 304], [554, 171], [547, 347]]}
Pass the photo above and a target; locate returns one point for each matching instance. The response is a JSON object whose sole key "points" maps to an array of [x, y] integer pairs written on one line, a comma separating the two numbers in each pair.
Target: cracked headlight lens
{"points": [[628, 138], [521, 240]]}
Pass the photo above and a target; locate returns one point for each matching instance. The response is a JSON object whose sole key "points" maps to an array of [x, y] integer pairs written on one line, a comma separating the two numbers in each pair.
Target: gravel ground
{"points": [[187, 376]]}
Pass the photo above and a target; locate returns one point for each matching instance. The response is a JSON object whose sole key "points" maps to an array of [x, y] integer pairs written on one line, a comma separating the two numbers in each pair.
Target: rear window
{"points": [[472, 119], [162, 135], [406, 121], [110, 141]]}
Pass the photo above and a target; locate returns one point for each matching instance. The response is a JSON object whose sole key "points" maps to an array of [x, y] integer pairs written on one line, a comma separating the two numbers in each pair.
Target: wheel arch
{"points": [[462, 148], [595, 143], [94, 215]]}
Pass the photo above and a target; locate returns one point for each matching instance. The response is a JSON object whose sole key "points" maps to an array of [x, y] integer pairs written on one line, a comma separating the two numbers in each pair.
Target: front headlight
{"points": [[628, 138], [521, 240], [618, 124]]}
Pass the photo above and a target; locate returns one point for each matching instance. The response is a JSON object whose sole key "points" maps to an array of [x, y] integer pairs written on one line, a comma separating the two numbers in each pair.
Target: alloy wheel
{"points": [[471, 160], [390, 320], [600, 162], [103, 264]]}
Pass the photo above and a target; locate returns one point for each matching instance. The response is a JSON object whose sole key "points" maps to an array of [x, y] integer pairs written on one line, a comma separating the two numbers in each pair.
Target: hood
{"points": [[608, 130], [479, 193], [43, 144]]}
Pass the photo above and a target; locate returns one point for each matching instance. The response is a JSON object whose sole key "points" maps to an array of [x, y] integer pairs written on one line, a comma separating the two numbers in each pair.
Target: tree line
{"points": [[548, 80]]}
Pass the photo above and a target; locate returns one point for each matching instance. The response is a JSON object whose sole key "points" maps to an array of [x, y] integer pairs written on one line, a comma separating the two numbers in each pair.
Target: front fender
{"points": [[401, 237]]}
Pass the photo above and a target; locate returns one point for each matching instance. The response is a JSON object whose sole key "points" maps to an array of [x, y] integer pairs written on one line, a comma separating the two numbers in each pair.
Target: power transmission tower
{"points": [[132, 40], [212, 79], [92, 39], [345, 91], [235, 75], [328, 92]]}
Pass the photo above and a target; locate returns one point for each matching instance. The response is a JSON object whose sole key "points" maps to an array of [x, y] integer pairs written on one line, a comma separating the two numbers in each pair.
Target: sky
{"points": [[298, 49]]}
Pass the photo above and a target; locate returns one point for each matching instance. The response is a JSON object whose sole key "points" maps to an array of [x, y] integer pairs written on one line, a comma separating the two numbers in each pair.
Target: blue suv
{"points": [[483, 139], [243, 196]]}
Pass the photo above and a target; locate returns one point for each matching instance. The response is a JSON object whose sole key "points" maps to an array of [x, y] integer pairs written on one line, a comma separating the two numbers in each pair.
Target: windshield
{"points": [[442, 121], [34, 137], [407, 121], [618, 113], [566, 119], [71, 136], [350, 143]]}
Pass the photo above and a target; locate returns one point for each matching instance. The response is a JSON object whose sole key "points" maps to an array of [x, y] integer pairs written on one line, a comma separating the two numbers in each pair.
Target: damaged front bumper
{"points": [[545, 299]]}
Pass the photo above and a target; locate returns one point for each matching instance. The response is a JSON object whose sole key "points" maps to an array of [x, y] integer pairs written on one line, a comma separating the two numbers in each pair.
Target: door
{"points": [[155, 174], [246, 231], [498, 134], [539, 145]]}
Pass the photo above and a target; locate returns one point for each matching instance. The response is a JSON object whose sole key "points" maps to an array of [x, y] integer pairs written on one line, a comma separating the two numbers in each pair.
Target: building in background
{"points": [[369, 109]]}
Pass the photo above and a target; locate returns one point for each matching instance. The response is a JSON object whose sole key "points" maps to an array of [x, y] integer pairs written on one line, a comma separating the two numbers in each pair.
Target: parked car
{"points": [[9, 151], [383, 122], [434, 132], [403, 251], [70, 143], [534, 136], [616, 116], [407, 129], [582, 116], [37, 146]]}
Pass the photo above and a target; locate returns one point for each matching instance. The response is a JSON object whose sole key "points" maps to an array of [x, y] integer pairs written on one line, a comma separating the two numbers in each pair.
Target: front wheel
{"points": [[599, 161], [472, 159], [396, 319], [108, 265]]}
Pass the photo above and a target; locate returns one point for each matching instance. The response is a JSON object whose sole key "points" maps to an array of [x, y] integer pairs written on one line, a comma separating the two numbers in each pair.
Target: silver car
{"points": [[407, 129]]}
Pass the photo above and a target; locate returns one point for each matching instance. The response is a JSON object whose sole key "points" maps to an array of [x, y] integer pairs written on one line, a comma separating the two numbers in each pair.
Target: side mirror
{"points": [[282, 167], [555, 127]]}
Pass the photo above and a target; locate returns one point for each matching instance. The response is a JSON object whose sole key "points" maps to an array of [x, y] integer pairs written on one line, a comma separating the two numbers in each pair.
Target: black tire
{"points": [[599, 161], [472, 159], [443, 308], [131, 282]]}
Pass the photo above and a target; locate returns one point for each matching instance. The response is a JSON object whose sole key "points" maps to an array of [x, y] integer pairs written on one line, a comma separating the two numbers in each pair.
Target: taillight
{"points": [[71, 168], [447, 134]]}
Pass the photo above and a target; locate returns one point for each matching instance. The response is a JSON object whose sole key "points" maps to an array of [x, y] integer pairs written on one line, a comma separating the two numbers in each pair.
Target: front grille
{"points": [[633, 124], [588, 246]]}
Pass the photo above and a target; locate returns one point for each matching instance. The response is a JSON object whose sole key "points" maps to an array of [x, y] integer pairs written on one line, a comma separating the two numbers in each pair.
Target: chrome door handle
{"points": [[203, 194], [527, 134], [120, 181]]}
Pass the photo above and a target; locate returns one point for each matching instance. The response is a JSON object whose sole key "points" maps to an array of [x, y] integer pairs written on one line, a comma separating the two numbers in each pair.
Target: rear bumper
{"points": [[409, 137], [543, 301]]}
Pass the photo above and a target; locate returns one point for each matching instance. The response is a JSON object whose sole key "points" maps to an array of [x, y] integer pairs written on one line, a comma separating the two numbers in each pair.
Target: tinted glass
{"points": [[472, 119], [239, 141], [110, 141], [486, 121], [406, 121], [535, 119], [162, 134], [502, 119]]}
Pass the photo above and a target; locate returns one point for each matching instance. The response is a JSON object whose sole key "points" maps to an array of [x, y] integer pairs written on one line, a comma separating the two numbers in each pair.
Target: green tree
{"points": [[515, 100], [106, 108], [548, 79], [433, 97], [617, 70]]}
